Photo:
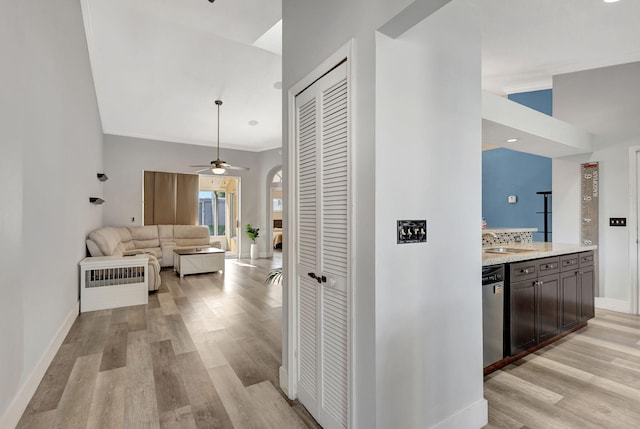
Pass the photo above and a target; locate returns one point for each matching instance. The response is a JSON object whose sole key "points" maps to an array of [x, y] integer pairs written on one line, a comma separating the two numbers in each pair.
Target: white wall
{"points": [[11, 168], [613, 248], [603, 101], [312, 31], [49, 165], [428, 300], [125, 158]]}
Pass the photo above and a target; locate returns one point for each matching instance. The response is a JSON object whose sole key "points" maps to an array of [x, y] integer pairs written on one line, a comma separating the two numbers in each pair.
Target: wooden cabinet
{"points": [[548, 307], [577, 289], [534, 303], [547, 297], [523, 315], [570, 299], [587, 286]]}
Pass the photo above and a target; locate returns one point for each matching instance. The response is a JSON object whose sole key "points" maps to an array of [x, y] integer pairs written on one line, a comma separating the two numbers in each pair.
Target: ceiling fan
{"points": [[218, 166]]}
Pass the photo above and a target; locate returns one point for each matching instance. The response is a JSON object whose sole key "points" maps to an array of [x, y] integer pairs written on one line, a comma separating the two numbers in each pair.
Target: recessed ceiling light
{"points": [[512, 140], [611, 1], [253, 123]]}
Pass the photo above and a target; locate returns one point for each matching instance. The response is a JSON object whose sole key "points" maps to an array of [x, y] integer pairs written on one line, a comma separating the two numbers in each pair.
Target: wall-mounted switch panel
{"points": [[412, 231], [512, 199], [617, 221]]}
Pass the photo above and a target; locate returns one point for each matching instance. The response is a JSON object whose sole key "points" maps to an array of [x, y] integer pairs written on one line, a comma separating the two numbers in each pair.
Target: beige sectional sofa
{"points": [[159, 241]]}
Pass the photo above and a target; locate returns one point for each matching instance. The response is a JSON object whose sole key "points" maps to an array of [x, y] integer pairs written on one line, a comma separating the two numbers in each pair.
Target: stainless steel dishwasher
{"points": [[492, 314]]}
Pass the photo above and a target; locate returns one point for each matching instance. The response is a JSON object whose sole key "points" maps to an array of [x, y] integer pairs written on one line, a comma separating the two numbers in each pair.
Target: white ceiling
{"points": [[526, 42], [159, 65]]}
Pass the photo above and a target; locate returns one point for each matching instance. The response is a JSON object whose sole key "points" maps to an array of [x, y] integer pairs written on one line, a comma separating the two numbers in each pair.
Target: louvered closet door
{"points": [[323, 248]]}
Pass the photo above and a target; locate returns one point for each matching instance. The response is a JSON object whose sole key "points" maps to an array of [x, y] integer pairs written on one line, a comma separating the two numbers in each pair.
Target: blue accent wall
{"points": [[506, 172], [542, 100]]}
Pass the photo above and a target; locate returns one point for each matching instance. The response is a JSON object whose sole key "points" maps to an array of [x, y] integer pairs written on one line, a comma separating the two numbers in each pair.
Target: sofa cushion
{"points": [[165, 233], [107, 240], [94, 250], [190, 235], [126, 239], [144, 236], [154, 251]]}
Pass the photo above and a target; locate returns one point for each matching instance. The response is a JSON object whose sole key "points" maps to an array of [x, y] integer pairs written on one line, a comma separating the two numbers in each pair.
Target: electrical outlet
{"points": [[412, 231], [617, 221]]}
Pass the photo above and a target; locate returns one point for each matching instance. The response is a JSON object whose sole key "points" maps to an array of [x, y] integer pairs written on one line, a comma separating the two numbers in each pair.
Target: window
{"points": [[211, 211], [277, 204], [277, 179]]}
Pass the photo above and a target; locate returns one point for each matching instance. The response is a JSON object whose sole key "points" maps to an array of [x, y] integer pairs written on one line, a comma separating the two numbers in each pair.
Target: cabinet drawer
{"points": [[548, 266], [586, 258], [524, 270], [569, 262]]}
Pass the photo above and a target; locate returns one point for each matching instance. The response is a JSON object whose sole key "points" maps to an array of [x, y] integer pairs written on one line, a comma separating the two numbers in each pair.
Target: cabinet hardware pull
{"points": [[312, 275], [324, 279]]}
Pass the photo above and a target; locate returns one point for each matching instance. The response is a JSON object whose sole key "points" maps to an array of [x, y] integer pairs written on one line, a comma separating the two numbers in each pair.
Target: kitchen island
{"points": [[548, 293]]}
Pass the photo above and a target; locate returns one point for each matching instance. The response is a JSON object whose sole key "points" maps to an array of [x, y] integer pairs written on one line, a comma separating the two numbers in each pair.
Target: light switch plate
{"points": [[412, 231], [617, 221]]}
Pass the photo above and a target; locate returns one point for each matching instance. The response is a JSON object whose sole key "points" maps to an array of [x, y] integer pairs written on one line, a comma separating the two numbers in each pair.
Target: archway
{"points": [[274, 202]]}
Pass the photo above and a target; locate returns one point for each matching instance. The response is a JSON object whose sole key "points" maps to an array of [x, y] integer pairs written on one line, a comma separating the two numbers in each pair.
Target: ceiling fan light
{"points": [[218, 170]]}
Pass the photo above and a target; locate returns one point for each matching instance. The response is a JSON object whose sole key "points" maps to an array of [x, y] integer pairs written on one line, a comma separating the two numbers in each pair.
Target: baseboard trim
{"points": [[14, 411], [614, 305], [475, 415], [284, 381]]}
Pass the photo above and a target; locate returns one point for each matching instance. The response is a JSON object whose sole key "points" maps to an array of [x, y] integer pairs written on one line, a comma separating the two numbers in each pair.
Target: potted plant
{"points": [[253, 233], [274, 277]]}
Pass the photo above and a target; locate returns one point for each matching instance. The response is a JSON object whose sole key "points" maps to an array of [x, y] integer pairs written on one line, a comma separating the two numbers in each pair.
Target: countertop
{"points": [[538, 250], [500, 230]]}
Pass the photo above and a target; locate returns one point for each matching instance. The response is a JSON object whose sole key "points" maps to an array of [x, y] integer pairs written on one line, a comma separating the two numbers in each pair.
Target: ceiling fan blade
{"points": [[236, 167], [203, 169], [200, 166]]}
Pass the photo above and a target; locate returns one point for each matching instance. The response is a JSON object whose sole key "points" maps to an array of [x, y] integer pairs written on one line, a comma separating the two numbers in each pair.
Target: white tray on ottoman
{"points": [[197, 261]]}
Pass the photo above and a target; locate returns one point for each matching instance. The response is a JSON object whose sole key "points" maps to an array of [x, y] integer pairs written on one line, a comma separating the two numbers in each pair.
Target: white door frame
{"points": [[288, 380], [633, 223], [238, 224]]}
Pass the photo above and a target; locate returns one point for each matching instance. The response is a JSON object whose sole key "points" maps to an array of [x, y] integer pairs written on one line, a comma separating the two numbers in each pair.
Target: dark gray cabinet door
{"points": [[523, 315], [570, 299], [548, 307], [586, 294]]}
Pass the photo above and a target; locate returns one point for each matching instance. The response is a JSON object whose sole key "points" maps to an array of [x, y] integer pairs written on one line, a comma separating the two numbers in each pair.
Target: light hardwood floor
{"points": [[589, 379], [204, 353]]}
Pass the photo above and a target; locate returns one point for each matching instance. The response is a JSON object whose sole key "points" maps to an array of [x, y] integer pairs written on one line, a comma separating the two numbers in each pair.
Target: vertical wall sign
{"points": [[589, 184], [589, 194]]}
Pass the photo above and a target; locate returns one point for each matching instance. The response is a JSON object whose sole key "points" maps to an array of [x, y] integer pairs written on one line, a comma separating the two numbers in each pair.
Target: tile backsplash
{"points": [[508, 238]]}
